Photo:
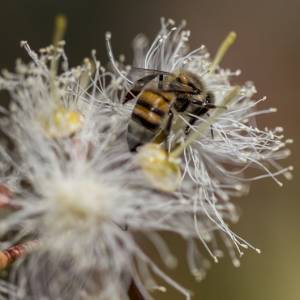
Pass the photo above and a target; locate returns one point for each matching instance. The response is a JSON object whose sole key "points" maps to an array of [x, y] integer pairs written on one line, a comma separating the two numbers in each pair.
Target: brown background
{"points": [[267, 51]]}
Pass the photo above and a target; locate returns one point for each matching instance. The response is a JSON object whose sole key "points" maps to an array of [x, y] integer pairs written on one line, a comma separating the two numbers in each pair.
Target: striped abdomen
{"points": [[148, 117]]}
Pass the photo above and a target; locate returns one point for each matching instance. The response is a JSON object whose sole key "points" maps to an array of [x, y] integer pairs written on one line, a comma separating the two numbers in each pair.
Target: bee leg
{"points": [[211, 128], [167, 129], [123, 227], [160, 81], [209, 106], [134, 292], [188, 127], [212, 131], [130, 96]]}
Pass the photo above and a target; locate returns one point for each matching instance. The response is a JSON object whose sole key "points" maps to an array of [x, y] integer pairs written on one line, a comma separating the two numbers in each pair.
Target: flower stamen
{"points": [[225, 45]]}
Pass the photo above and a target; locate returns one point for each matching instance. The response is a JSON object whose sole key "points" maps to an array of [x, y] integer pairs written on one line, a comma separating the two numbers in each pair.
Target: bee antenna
{"points": [[112, 59], [225, 45]]}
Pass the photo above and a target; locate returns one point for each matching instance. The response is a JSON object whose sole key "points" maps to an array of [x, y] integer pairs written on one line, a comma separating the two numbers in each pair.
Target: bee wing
{"points": [[143, 78], [152, 79], [138, 86], [139, 73]]}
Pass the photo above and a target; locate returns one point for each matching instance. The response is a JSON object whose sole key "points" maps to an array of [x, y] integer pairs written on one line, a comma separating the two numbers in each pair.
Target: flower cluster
{"points": [[77, 204]]}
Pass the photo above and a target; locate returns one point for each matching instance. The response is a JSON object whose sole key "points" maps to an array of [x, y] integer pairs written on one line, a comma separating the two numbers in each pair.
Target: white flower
{"points": [[81, 200], [213, 168]]}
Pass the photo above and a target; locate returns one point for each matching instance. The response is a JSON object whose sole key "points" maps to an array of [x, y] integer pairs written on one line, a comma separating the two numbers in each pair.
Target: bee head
{"points": [[192, 81]]}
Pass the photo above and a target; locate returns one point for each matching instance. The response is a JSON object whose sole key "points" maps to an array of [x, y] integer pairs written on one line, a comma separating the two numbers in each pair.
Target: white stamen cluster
{"points": [[84, 197]]}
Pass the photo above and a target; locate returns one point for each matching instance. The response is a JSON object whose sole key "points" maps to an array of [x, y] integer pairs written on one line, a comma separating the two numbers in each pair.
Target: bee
{"points": [[163, 97]]}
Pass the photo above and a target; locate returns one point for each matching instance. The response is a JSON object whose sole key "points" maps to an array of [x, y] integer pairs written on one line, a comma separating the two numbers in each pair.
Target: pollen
{"points": [[63, 123], [159, 168]]}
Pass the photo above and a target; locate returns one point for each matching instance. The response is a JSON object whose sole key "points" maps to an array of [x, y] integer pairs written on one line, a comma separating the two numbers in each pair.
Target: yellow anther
{"points": [[161, 170], [63, 123]]}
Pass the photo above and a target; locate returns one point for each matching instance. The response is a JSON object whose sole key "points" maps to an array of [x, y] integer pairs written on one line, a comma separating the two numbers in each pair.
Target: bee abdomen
{"points": [[138, 135], [150, 110], [146, 119], [154, 101]]}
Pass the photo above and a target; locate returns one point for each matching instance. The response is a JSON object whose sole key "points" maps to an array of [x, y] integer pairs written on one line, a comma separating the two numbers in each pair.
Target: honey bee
{"points": [[163, 97]]}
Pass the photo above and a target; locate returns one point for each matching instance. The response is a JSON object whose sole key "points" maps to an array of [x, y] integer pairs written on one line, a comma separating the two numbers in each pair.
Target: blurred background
{"points": [[267, 51]]}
